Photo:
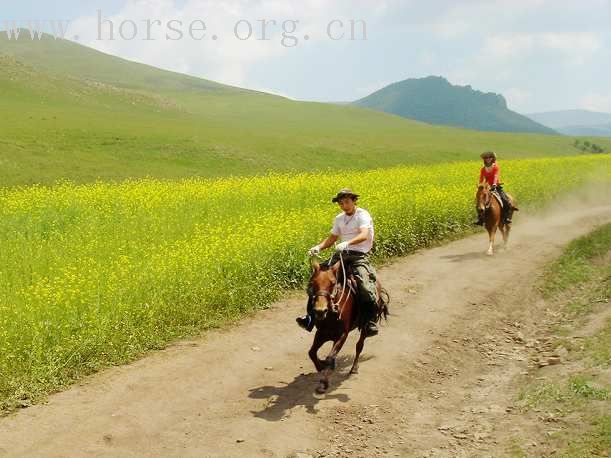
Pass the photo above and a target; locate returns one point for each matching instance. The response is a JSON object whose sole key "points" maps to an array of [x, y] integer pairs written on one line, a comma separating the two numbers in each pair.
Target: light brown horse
{"points": [[490, 206], [336, 315]]}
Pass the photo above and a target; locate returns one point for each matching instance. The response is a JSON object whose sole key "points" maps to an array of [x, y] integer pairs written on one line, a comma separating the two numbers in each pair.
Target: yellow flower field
{"points": [[94, 275]]}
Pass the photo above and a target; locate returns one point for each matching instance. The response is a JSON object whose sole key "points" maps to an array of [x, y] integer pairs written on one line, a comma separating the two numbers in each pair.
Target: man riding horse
{"points": [[354, 226], [491, 173]]}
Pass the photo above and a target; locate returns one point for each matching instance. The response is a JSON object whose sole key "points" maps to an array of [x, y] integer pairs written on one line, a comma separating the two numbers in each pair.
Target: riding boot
{"points": [[367, 297], [480, 219], [508, 213], [371, 329], [370, 309], [308, 321]]}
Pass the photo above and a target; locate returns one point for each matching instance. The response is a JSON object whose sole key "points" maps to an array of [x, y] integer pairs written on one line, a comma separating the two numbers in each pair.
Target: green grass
{"points": [[596, 442], [598, 347], [546, 394], [563, 396], [578, 283], [595, 349], [581, 281], [582, 260], [95, 275], [580, 386], [69, 112], [515, 449]]}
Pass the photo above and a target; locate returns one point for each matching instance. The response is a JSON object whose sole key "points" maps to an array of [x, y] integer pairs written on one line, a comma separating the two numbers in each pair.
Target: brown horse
{"points": [[488, 205], [336, 315]]}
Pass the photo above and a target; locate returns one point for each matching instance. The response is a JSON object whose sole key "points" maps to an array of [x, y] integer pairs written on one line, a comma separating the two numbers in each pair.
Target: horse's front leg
{"points": [[330, 362], [505, 232], [359, 348], [313, 353], [337, 346], [491, 237]]}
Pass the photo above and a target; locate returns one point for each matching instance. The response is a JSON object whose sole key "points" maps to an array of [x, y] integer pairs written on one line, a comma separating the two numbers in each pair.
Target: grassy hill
{"points": [[434, 100], [70, 112]]}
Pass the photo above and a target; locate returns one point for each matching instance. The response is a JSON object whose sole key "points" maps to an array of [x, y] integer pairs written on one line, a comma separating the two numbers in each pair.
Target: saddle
{"points": [[351, 283], [497, 196]]}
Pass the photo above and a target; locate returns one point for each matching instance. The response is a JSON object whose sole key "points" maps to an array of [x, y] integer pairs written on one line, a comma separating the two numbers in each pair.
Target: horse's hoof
{"points": [[489, 253], [322, 388], [354, 371]]}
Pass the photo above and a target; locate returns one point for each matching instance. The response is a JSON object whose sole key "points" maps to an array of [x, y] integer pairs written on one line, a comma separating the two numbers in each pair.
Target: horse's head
{"points": [[482, 198], [321, 287]]}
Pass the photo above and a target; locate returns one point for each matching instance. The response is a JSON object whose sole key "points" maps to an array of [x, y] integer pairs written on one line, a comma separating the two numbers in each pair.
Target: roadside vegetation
{"points": [[575, 396], [95, 275]]}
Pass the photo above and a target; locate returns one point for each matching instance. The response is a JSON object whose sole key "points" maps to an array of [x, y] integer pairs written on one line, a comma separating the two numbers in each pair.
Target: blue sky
{"points": [[541, 54]]}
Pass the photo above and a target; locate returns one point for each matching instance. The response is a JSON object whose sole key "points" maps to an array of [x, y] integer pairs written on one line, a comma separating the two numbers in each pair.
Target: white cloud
{"points": [[577, 47], [508, 46], [227, 59], [596, 102], [504, 60], [535, 52], [427, 58], [223, 59], [517, 98], [569, 44]]}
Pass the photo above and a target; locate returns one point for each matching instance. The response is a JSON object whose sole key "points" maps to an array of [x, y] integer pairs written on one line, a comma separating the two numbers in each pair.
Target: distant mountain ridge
{"points": [[576, 122], [435, 101]]}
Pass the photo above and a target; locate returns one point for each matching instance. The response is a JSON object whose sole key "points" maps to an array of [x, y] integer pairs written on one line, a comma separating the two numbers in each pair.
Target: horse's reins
{"points": [[487, 200], [341, 297], [323, 293]]}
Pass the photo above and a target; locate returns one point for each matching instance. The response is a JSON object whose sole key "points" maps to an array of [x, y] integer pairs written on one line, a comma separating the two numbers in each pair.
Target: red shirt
{"points": [[491, 175]]}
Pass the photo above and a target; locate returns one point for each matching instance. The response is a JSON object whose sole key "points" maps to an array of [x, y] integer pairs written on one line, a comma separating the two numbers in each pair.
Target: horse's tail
{"points": [[383, 310]]}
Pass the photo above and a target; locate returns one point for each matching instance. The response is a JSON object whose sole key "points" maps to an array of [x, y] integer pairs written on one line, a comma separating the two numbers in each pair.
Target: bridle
{"points": [[487, 198], [324, 293]]}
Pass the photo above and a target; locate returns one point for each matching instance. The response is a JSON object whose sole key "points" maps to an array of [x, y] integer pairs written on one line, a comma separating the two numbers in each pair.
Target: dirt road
{"points": [[433, 383]]}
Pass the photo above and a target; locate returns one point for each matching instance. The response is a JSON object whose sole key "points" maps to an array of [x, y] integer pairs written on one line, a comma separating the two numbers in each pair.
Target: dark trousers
{"points": [[507, 206], [504, 197]]}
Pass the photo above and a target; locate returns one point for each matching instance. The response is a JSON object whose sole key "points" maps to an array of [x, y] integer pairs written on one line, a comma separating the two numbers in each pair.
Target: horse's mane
{"points": [[324, 267]]}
